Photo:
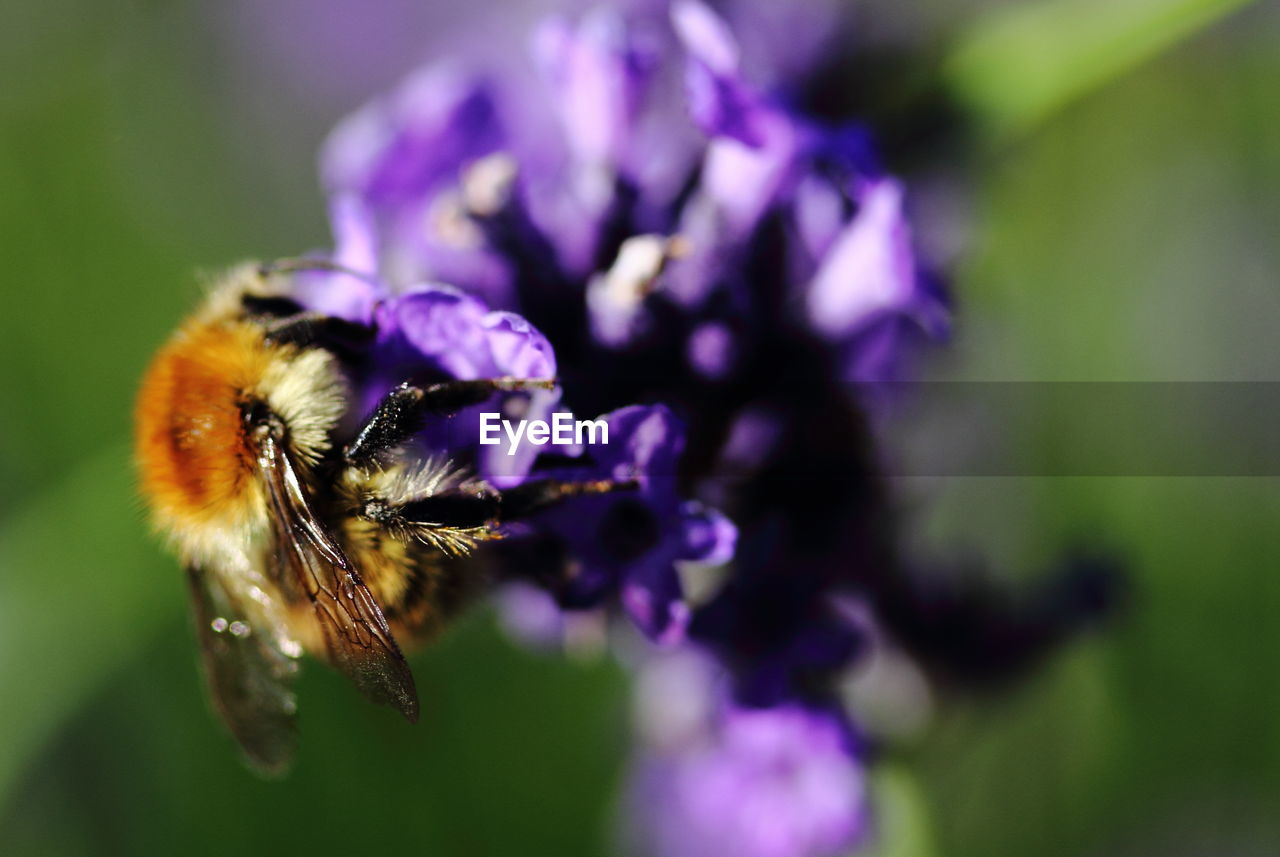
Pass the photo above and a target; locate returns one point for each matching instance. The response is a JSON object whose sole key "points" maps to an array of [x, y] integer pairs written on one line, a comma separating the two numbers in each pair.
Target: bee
{"points": [[301, 527]]}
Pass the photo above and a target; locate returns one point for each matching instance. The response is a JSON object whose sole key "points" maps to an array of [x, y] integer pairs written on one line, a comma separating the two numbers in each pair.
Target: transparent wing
{"points": [[312, 564], [249, 678]]}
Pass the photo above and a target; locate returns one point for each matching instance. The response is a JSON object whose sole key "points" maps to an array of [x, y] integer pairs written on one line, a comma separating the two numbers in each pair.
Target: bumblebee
{"points": [[300, 528]]}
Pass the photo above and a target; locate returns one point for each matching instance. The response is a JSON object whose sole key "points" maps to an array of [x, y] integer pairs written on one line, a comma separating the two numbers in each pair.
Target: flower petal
{"points": [[517, 349], [398, 148], [355, 241], [705, 36], [653, 598], [599, 75], [775, 782], [871, 267], [708, 535], [443, 325]]}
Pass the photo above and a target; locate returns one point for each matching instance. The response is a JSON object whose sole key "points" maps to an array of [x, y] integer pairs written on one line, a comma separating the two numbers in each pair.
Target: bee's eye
{"points": [[260, 420]]}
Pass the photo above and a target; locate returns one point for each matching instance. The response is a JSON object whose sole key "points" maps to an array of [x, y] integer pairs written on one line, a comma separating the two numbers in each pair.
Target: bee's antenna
{"points": [[297, 264]]}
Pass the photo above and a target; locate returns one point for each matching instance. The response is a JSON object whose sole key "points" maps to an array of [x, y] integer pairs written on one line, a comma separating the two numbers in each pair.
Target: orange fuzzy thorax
{"points": [[195, 464]]}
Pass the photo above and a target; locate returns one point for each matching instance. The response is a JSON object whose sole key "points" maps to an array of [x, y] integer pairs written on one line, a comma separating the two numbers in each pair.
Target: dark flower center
{"points": [[628, 530]]}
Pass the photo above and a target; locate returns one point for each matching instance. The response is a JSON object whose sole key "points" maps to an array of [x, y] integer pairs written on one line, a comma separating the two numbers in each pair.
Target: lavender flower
{"points": [[715, 778], [774, 782], [649, 219], [681, 237], [622, 547], [633, 541]]}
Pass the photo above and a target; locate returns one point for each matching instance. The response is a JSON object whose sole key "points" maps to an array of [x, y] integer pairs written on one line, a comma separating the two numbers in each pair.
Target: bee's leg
{"points": [[464, 509], [454, 509], [404, 410], [534, 496]]}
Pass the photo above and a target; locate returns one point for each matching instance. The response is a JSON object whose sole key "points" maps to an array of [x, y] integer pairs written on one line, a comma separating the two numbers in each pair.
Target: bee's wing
{"points": [[309, 561], [249, 678]]}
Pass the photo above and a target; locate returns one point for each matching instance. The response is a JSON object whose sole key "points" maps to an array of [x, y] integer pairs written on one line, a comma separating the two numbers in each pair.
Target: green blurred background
{"points": [[1120, 215]]}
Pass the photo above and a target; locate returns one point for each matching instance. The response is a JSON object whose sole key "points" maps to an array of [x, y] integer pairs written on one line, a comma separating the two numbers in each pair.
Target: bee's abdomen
{"points": [[417, 588]]}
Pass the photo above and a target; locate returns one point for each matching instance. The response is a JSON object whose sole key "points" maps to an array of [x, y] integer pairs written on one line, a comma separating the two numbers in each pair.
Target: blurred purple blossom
{"points": [[631, 201], [713, 777], [643, 212], [776, 782], [627, 545], [680, 235], [623, 547]]}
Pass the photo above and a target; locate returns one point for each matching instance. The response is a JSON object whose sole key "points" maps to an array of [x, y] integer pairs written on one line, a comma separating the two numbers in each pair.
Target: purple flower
{"points": [[621, 547], [634, 203], [646, 215], [781, 636], [869, 268], [438, 330], [396, 163], [599, 71], [627, 545], [397, 150], [680, 235], [773, 782]]}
